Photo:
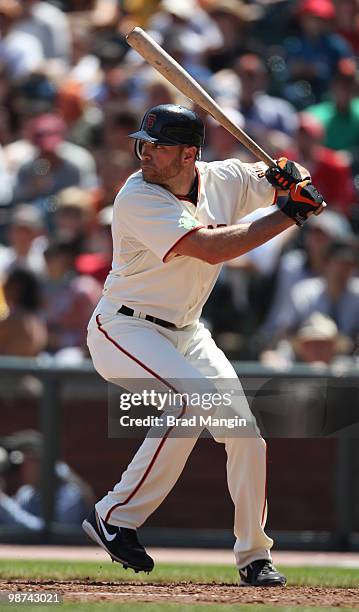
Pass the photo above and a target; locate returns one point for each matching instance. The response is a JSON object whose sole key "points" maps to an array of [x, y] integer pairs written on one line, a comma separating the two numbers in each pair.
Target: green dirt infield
{"points": [[165, 573], [106, 587]]}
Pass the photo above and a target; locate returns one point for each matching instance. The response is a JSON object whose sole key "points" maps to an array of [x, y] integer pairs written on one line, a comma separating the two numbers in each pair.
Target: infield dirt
{"points": [[187, 592]]}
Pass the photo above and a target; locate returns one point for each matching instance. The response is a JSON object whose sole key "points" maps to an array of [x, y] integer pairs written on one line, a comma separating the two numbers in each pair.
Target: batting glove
{"points": [[284, 175], [303, 200]]}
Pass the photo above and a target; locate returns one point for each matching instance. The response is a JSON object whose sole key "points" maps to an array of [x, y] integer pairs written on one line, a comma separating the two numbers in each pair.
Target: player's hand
{"points": [[303, 200], [285, 174]]}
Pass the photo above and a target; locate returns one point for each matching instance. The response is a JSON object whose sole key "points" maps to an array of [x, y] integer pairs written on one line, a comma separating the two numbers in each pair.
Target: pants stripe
{"points": [[160, 446], [265, 491]]}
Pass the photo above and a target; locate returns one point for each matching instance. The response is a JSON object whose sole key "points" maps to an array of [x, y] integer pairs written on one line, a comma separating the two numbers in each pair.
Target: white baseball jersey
{"points": [[148, 276], [148, 222]]}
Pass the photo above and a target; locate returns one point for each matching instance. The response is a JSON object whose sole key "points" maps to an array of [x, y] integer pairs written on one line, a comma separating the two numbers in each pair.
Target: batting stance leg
{"points": [[123, 347], [246, 453]]}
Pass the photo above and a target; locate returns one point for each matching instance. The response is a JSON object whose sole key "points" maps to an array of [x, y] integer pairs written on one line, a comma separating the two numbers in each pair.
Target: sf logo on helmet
{"points": [[150, 121]]}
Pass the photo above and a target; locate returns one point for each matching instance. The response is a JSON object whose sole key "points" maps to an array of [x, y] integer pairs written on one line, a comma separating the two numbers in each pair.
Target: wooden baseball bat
{"points": [[175, 74]]}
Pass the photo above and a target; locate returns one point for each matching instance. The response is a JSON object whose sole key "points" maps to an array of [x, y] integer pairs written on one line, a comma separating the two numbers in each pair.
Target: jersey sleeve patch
{"points": [[187, 222]]}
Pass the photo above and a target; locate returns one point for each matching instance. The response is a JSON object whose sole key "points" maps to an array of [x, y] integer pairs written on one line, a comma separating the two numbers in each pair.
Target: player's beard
{"points": [[161, 176]]}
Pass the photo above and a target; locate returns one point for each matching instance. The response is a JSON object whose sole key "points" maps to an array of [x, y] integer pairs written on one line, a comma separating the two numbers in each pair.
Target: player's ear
{"points": [[189, 154]]}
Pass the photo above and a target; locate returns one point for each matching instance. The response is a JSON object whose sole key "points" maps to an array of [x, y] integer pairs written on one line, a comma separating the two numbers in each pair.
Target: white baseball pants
{"points": [[125, 347]]}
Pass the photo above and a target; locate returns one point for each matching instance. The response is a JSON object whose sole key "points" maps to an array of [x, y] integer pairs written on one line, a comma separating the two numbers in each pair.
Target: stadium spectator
{"points": [[104, 233], [225, 87], [26, 98], [251, 278], [316, 342], [186, 28], [137, 12], [340, 115], [330, 170], [158, 90], [186, 32], [113, 83], [85, 64], [49, 25], [73, 496], [71, 104], [347, 22], [273, 24], [298, 265], [98, 262], [22, 332], [54, 165], [21, 52], [90, 234], [220, 143], [11, 513], [264, 114], [335, 294], [26, 239], [235, 20], [69, 299], [73, 216], [114, 156], [116, 124], [105, 14], [313, 53], [109, 14]]}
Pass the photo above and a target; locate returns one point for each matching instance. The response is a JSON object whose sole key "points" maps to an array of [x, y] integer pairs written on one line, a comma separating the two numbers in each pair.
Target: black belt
{"points": [[129, 312]]}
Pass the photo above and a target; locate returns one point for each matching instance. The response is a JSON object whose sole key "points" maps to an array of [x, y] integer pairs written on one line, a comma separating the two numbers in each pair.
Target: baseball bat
{"points": [[175, 74]]}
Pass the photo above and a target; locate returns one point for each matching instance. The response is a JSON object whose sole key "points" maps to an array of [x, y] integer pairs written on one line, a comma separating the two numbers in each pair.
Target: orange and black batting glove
{"points": [[303, 200], [284, 174]]}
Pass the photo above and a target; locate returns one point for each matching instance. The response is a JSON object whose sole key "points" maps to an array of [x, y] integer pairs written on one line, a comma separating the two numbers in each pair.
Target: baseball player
{"points": [[174, 224]]}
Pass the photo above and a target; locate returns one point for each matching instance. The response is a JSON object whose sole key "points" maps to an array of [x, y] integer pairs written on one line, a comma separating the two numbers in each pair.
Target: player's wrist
{"points": [[297, 217], [285, 217]]}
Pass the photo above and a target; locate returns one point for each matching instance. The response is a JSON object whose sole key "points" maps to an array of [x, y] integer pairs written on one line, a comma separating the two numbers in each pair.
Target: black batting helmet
{"points": [[169, 125]]}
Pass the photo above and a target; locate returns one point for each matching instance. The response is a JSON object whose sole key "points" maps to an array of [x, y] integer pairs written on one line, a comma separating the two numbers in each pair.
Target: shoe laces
{"points": [[264, 566]]}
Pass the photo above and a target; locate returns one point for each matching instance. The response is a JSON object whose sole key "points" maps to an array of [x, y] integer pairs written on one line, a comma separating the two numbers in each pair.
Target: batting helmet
{"points": [[169, 125]]}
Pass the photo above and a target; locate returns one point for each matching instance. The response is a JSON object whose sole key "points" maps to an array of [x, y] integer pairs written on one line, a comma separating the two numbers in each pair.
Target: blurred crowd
{"points": [[71, 90], [21, 504]]}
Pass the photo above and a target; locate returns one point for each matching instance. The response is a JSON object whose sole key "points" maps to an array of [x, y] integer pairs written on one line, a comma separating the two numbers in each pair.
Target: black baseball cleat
{"points": [[119, 542], [261, 573]]}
